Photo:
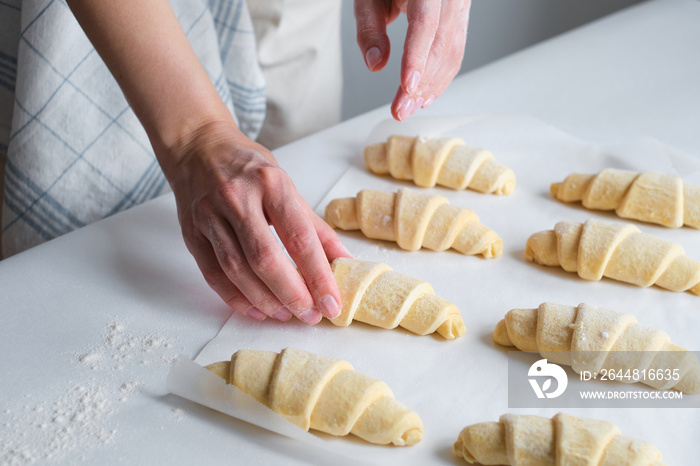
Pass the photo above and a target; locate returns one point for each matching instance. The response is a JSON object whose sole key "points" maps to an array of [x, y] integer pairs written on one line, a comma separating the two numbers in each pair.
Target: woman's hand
{"points": [[229, 189], [433, 49]]}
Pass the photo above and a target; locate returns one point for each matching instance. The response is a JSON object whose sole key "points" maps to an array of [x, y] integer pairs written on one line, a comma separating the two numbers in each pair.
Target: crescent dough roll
{"points": [[445, 161], [520, 440], [322, 393], [649, 197], [590, 338], [413, 220], [615, 250], [375, 294]]}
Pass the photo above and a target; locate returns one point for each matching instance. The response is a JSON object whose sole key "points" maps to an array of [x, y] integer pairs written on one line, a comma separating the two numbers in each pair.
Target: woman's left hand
{"points": [[433, 49]]}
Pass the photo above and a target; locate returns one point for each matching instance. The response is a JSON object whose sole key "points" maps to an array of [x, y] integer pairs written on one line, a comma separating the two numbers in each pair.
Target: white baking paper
{"points": [[451, 384], [191, 381]]}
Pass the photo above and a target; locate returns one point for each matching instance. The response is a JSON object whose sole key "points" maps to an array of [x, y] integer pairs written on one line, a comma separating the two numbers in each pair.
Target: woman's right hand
{"points": [[229, 190]]}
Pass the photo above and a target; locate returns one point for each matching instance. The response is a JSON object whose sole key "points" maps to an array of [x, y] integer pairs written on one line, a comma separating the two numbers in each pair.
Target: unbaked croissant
{"points": [[445, 161], [649, 197], [322, 393], [414, 219], [564, 440], [373, 293], [615, 250], [591, 339]]}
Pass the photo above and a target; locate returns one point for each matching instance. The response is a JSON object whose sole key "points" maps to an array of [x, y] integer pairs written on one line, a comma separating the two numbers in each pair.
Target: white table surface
{"points": [[632, 75]]}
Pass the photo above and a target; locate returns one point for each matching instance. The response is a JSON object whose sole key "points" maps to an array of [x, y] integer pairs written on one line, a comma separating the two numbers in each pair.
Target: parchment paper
{"points": [[452, 384]]}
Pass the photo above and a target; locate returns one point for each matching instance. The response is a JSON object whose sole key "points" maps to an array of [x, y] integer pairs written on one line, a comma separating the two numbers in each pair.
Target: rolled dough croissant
{"points": [[590, 338], [615, 250], [373, 293], [649, 197], [445, 161], [520, 440], [322, 393], [414, 219]]}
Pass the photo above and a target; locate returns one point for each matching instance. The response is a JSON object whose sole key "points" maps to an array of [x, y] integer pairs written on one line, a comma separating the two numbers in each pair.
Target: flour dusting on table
{"points": [[39, 431]]}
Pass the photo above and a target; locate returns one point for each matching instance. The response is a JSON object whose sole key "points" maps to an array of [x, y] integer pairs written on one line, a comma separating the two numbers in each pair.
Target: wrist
{"points": [[212, 153], [198, 139]]}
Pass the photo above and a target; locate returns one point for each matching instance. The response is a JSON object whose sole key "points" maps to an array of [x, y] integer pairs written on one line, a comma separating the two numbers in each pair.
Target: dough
{"points": [[649, 197], [526, 440], [322, 393], [444, 161], [615, 250], [373, 293], [414, 219], [590, 338]]}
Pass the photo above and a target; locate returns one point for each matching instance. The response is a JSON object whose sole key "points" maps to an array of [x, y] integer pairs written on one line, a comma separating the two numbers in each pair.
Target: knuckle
{"points": [[201, 208], [237, 303], [266, 304], [297, 302], [231, 195], [366, 32], [424, 18], [231, 264], [214, 279], [299, 243], [318, 282], [265, 260], [272, 176], [442, 48]]}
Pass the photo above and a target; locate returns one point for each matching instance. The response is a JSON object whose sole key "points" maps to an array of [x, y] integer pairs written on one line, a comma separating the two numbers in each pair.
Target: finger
{"points": [[447, 52], [234, 264], [403, 105], [268, 262], [423, 19], [217, 280], [438, 86], [444, 75], [371, 18], [303, 244], [442, 49]]}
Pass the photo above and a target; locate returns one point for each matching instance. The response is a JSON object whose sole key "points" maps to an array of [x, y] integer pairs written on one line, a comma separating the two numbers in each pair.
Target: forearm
{"points": [[228, 189], [145, 48]]}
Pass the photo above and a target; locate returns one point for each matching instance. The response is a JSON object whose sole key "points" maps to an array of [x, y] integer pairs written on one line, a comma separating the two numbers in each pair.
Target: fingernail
{"points": [[255, 313], [282, 314], [405, 109], [329, 307], [429, 101], [413, 81], [311, 316], [373, 57], [419, 104]]}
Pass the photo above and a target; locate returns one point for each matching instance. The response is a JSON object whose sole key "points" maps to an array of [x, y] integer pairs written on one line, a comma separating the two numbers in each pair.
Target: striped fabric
{"points": [[76, 152]]}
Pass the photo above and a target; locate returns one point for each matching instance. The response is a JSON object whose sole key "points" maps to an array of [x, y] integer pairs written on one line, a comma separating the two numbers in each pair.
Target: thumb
{"points": [[371, 18]]}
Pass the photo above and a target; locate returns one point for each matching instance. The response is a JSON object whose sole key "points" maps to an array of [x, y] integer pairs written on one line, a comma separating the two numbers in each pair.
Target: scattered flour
{"points": [[40, 431], [120, 346], [48, 429]]}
